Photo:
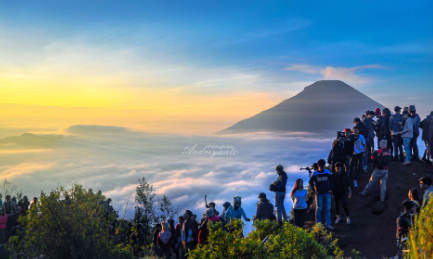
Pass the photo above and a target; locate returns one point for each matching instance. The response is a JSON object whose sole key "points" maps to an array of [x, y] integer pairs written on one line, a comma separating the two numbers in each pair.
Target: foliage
{"points": [[420, 243], [8, 188], [149, 211], [268, 240], [68, 223]]}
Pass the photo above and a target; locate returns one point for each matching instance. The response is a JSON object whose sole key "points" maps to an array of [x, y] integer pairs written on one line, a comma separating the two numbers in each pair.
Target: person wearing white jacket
{"points": [[407, 135]]}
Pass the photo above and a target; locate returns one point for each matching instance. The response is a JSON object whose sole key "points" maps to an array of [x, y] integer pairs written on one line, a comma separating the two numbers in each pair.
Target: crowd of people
{"points": [[351, 153]]}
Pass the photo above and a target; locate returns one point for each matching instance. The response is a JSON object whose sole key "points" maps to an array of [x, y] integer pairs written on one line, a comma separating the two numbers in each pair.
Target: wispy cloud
{"points": [[347, 74]]}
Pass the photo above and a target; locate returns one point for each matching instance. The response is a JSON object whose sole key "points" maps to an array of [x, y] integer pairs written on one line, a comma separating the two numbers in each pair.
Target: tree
{"points": [[8, 188], [68, 224]]}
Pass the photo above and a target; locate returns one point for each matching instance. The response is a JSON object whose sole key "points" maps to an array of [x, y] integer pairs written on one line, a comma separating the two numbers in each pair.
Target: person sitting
{"points": [[404, 223], [265, 210], [299, 198]]}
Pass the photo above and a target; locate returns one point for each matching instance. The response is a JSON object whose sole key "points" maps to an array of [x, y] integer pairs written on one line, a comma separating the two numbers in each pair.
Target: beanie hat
{"points": [[210, 212], [347, 130], [412, 108], [377, 112], [237, 199]]}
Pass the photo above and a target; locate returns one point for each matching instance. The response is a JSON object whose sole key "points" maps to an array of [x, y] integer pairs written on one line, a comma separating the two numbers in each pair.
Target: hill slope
{"points": [[332, 104]]}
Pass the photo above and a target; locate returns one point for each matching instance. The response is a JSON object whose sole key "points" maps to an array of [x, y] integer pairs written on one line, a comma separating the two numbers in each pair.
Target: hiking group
{"points": [[351, 153]]}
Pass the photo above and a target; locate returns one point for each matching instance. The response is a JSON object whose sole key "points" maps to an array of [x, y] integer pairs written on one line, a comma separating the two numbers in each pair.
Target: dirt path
{"points": [[374, 235]]}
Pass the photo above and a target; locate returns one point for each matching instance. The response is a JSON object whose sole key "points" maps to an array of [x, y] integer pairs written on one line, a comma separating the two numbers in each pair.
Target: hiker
{"points": [[14, 205], [348, 151], [340, 190], [369, 139], [381, 160], [396, 124], [7, 205], [414, 196], [235, 211], [164, 241], [24, 203], [425, 126], [357, 161], [386, 114], [299, 198], [179, 225], [337, 154], [404, 223], [407, 135], [3, 221], [195, 226], [416, 123], [379, 126], [226, 206], [137, 240], [156, 231], [188, 233], [426, 185], [265, 210], [203, 230], [279, 187], [322, 184], [174, 236], [364, 132], [212, 205]]}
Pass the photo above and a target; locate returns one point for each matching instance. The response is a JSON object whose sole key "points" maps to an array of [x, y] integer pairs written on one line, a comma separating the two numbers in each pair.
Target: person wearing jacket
{"points": [[280, 194], [226, 206], [321, 181], [235, 211], [174, 236], [188, 232], [265, 210], [379, 126], [369, 139], [407, 135], [416, 124], [381, 159], [299, 198], [337, 153], [359, 147], [426, 185], [404, 224], [396, 124], [164, 241], [3, 221], [425, 126], [386, 114], [341, 190], [203, 229], [348, 151]]}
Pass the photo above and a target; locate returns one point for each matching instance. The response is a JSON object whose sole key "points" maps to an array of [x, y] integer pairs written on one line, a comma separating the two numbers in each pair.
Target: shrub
{"points": [[420, 243]]}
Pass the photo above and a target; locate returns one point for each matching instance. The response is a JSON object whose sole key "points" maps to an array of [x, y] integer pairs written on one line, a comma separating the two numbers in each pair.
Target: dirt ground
{"points": [[371, 234]]}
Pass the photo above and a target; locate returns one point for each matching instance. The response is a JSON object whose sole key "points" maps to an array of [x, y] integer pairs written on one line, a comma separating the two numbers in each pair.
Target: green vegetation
{"points": [[420, 243]]}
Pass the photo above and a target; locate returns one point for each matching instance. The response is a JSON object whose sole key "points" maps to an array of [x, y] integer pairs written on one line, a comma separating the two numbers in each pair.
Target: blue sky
{"points": [[383, 48]]}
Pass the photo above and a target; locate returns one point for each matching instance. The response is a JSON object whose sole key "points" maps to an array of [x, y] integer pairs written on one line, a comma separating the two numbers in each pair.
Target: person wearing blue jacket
{"points": [[322, 184], [416, 123], [280, 194], [396, 124], [235, 211]]}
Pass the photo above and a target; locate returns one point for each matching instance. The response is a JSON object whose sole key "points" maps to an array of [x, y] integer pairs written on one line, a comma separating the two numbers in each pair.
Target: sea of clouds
{"points": [[184, 168]]}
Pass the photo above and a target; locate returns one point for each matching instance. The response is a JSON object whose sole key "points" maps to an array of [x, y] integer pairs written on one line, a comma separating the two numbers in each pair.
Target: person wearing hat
{"points": [[265, 210], [203, 229], [404, 223], [407, 135], [3, 221], [236, 211], [299, 198], [396, 124], [416, 124]]}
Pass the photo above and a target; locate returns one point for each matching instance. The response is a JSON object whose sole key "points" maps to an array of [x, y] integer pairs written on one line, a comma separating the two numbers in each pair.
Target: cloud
{"points": [[338, 73]]}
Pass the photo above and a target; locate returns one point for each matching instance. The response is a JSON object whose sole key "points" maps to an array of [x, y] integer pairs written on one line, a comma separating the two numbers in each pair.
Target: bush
{"points": [[267, 240], [420, 243]]}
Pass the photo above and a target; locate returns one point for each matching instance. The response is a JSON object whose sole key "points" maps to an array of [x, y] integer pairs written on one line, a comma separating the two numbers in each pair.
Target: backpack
{"points": [[382, 160]]}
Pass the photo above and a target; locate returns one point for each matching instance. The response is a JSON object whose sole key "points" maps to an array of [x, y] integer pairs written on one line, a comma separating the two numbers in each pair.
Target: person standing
{"points": [[188, 233], [236, 211], [386, 114], [226, 206], [369, 139], [280, 193], [379, 126], [416, 123], [425, 126], [3, 221], [164, 241], [364, 132], [340, 191], [321, 181], [407, 135], [299, 198], [381, 159], [396, 124], [265, 210], [359, 147], [348, 151]]}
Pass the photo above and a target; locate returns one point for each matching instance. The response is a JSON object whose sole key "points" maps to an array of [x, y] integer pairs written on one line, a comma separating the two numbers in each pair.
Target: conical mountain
{"points": [[327, 105]]}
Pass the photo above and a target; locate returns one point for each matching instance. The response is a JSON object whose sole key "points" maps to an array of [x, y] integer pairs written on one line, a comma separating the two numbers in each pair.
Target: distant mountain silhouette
{"points": [[327, 105]]}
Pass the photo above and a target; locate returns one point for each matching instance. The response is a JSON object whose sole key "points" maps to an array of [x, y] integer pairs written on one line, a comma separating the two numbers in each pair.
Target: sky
{"points": [[197, 67]]}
